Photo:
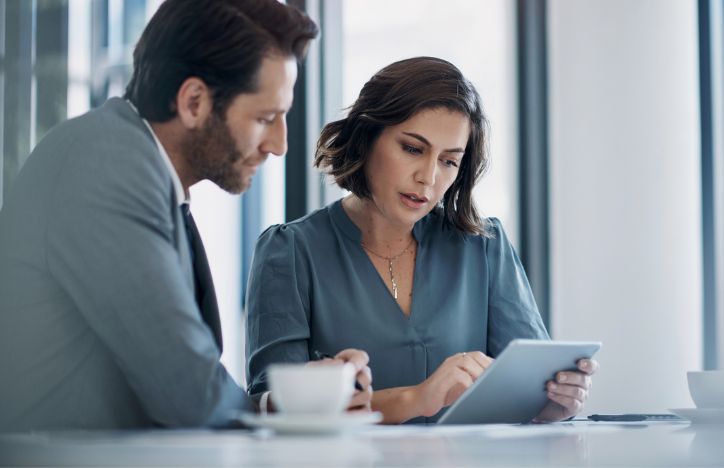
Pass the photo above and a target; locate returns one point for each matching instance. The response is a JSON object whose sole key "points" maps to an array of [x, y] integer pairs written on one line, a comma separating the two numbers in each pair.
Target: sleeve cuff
{"points": [[264, 403]]}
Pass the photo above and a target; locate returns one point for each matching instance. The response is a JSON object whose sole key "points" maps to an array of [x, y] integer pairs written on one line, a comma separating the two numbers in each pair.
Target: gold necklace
{"points": [[389, 263]]}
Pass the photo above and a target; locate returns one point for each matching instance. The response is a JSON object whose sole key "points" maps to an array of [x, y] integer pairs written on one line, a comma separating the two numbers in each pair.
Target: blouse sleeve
{"points": [[277, 325], [512, 311]]}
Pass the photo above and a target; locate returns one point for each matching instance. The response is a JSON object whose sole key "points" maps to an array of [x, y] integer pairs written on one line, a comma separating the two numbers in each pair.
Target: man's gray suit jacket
{"points": [[99, 326]]}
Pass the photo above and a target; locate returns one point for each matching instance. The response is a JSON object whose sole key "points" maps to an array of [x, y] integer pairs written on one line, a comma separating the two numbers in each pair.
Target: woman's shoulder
{"points": [[315, 225], [493, 227], [434, 226]]}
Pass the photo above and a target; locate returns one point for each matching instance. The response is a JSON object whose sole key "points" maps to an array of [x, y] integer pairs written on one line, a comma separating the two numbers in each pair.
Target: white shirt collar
{"points": [[178, 187]]}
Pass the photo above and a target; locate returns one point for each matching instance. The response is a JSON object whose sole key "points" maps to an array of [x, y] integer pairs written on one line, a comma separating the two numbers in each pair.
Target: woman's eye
{"points": [[411, 149], [450, 163]]}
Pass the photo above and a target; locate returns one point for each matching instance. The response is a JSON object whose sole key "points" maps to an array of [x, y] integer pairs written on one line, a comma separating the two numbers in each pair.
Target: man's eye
{"points": [[266, 120]]}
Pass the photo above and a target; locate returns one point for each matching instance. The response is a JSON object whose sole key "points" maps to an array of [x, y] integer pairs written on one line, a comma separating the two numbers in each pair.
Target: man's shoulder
{"points": [[114, 125], [108, 142], [105, 154]]}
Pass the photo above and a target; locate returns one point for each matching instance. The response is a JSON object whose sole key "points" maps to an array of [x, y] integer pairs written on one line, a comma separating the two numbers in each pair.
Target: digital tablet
{"points": [[512, 389]]}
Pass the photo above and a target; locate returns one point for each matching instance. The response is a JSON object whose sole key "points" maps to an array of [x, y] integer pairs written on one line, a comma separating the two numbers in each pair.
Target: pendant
{"points": [[392, 279]]}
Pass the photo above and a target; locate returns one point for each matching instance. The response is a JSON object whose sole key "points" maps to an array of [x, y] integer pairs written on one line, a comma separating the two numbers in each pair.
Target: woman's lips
{"points": [[413, 200]]}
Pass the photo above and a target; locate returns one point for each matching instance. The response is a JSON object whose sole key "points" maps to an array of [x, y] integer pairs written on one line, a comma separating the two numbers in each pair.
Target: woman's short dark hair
{"points": [[391, 96], [222, 42]]}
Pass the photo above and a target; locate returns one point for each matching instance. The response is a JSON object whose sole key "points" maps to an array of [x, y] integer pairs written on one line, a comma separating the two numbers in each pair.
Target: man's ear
{"points": [[194, 103]]}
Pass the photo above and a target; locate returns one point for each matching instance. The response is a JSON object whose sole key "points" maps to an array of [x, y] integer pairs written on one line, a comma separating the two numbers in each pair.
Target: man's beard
{"points": [[211, 153]]}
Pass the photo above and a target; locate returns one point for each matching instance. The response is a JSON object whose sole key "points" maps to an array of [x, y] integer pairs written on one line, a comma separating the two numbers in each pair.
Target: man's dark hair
{"points": [[391, 96], [222, 42]]}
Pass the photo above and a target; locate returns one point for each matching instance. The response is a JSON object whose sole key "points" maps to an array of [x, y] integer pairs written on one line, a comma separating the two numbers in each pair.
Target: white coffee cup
{"points": [[315, 389], [706, 388]]}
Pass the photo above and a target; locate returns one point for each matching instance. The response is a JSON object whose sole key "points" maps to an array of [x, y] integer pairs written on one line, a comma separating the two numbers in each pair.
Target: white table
{"points": [[562, 444]]}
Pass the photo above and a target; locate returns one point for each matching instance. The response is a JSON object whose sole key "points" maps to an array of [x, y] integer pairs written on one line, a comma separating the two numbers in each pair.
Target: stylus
{"points": [[632, 417]]}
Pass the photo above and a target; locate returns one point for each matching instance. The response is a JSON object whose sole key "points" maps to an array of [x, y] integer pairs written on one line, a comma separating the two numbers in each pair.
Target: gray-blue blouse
{"points": [[313, 288]]}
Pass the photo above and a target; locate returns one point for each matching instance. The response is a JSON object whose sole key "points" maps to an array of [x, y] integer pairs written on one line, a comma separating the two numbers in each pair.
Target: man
{"points": [[108, 317]]}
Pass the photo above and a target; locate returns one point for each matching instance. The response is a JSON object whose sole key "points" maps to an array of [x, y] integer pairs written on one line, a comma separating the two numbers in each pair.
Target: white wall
{"points": [[218, 217], [625, 199]]}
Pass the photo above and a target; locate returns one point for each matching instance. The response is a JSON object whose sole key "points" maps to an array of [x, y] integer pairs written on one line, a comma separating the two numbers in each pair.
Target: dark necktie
{"points": [[203, 283]]}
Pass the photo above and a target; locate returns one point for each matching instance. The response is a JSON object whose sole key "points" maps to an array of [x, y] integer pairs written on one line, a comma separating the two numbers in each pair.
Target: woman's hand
{"points": [[361, 399], [568, 392], [449, 381]]}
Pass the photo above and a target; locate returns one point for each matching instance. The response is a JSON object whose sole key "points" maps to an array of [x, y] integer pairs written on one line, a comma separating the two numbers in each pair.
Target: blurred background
{"points": [[608, 164]]}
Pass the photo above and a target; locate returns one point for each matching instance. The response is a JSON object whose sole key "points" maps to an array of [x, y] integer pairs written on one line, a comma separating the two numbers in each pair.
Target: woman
{"points": [[404, 267]]}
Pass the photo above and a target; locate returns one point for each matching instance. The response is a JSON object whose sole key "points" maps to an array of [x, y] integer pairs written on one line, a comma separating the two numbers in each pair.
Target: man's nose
{"points": [[276, 141]]}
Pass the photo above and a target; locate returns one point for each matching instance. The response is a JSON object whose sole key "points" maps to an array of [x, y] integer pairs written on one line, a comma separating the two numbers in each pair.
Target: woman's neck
{"points": [[378, 234]]}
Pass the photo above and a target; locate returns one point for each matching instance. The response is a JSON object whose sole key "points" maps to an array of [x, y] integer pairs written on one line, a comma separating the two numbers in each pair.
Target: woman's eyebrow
{"points": [[424, 140]]}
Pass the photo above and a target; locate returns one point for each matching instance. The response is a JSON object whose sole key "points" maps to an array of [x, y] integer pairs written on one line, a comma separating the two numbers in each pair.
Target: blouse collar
{"points": [[342, 220]]}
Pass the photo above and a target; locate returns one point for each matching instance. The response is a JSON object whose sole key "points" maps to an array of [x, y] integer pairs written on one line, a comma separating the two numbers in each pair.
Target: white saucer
{"points": [[310, 423], [701, 415]]}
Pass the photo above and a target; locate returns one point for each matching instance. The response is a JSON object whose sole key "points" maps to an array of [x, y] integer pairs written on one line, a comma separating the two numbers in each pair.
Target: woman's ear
{"points": [[194, 103]]}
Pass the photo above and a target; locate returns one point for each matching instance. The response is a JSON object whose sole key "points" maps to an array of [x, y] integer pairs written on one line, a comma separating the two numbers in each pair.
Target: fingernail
{"points": [[562, 378], [553, 386]]}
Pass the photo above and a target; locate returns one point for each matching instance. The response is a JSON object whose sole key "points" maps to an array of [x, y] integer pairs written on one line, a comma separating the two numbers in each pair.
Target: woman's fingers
{"points": [[481, 359], [357, 357], [574, 378], [570, 397], [470, 366], [572, 405], [361, 400], [473, 362], [364, 377], [570, 391], [588, 366], [446, 384], [459, 382]]}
